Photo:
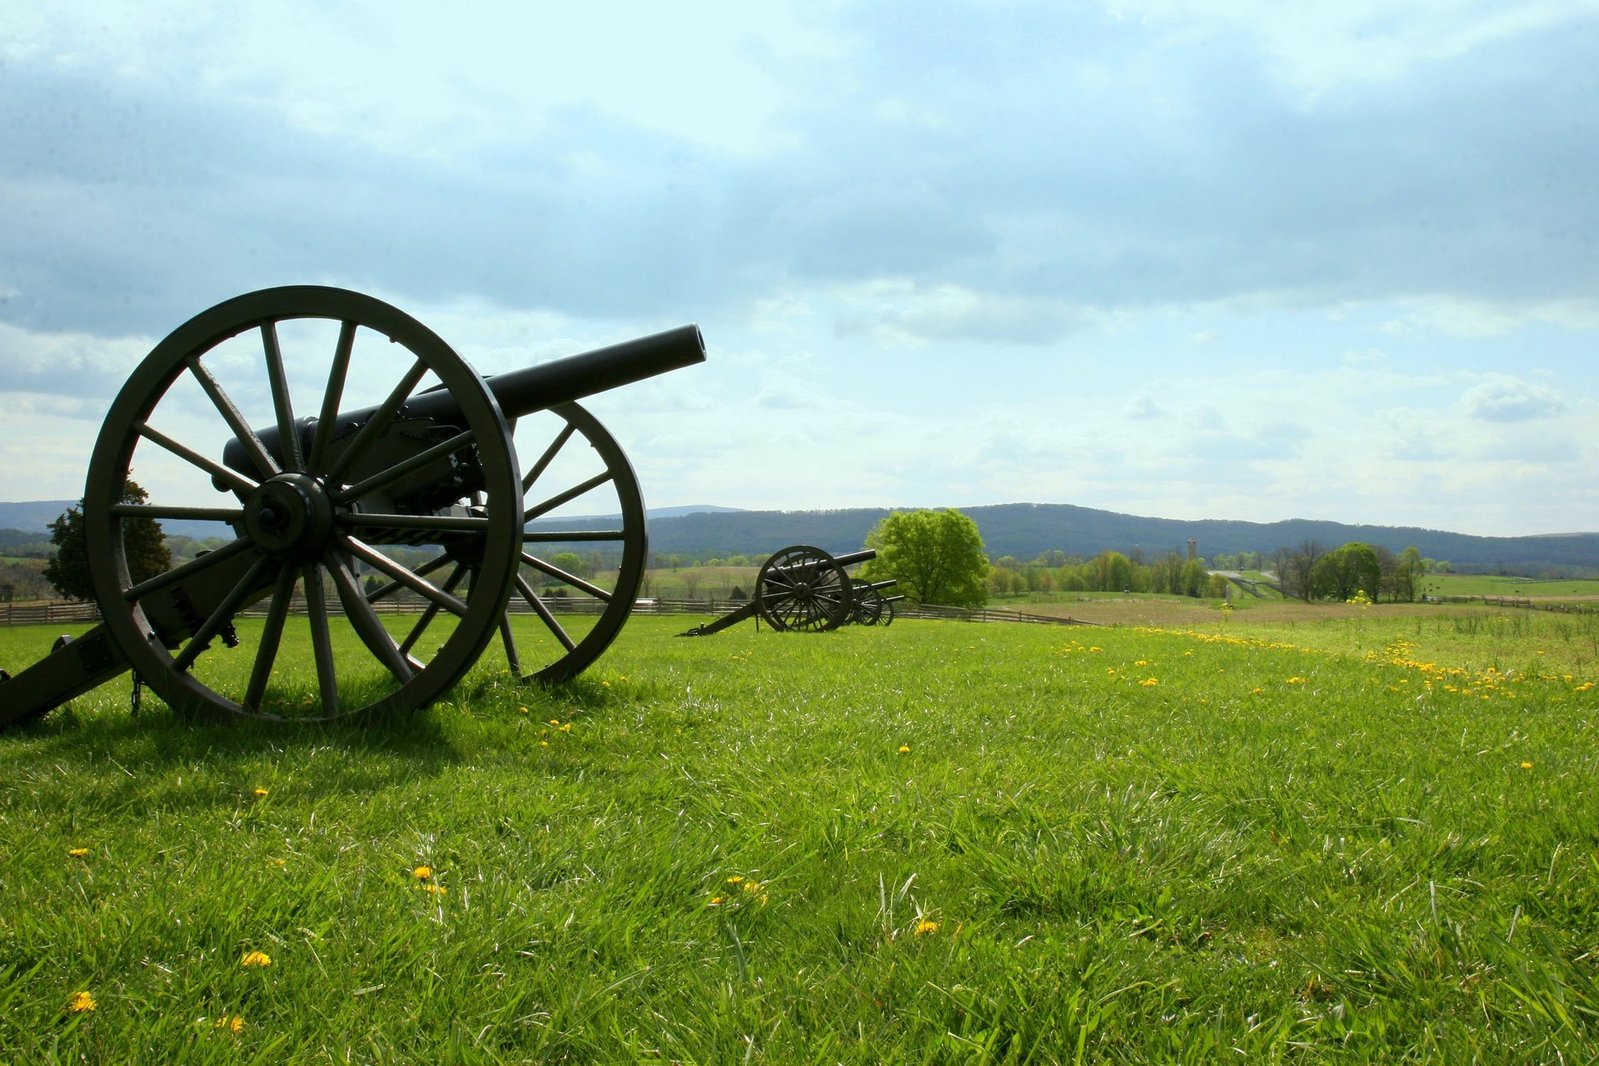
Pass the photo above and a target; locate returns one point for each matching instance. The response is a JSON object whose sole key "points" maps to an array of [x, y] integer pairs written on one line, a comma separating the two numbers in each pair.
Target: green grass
{"points": [[1508, 587], [936, 842]]}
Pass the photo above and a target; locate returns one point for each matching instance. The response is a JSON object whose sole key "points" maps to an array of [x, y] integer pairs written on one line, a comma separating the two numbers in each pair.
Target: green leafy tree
{"points": [[1113, 572], [1405, 584], [572, 563], [1345, 571], [937, 557], [142, 542]]}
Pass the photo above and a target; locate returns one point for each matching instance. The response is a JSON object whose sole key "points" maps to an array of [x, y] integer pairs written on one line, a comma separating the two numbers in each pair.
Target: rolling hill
{"points": [[1025, 530]]}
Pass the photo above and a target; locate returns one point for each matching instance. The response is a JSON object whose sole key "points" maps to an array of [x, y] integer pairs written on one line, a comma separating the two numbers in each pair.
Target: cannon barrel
{"points": [[536, 388], [865, 555], [521, 392]]}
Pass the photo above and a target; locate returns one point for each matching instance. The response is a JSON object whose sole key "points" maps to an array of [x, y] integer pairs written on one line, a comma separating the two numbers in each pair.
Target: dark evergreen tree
{"points": [[142, 541]]}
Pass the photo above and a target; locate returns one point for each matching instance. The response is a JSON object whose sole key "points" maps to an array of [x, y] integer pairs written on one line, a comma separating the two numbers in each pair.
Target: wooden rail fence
{"points": [[34, 614]]}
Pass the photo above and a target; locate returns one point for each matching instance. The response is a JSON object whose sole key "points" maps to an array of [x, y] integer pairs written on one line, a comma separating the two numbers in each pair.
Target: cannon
{"points": [[804, 589], [399, 484]]}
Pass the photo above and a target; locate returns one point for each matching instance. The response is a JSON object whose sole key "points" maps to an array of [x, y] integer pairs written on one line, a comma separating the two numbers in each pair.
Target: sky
{"points": [[1233, 259]]}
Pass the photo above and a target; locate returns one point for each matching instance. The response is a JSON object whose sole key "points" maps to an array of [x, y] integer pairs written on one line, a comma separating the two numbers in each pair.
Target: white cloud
{"points": [[1509, 399], [1006, 219]]}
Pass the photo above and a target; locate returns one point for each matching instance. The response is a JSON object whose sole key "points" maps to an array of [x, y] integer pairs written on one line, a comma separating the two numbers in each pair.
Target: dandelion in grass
{"points": [[715, 901], [925, 927], [255, 960], [1526, 766], [1150, 682], [233, 1024], [423, 873], [437, 890], [78, 853], [81, 1002], [261, 792], [904, 749], [523, 710]]}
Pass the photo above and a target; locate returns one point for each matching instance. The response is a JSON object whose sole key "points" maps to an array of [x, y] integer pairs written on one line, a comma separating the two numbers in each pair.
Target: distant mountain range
{"points": [[33, 516], [1026, 530]]}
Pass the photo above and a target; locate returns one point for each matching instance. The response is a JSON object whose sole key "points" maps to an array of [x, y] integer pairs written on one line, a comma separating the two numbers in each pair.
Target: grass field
{"points": [[1352, 836]]}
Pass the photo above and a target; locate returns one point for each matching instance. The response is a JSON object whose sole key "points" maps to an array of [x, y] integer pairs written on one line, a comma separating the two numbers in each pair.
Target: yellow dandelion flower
{"points": [[422, 873], [261, 792], [714, 901], [437, 890], [1150, 682], [752, 887], [522, 710], [544, 743], [1526, 766], [904, 749], [80, 1002], [736, 879], [253, 959], [78, 853], [925, 926], [567, 728], [555, 721], [235, 1024]]}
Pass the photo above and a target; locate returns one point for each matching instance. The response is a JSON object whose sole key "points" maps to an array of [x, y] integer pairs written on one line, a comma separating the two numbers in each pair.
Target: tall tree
{"points": [[142, 542], [1405, 581], [1296, 568], [1348, 570], [937, 557]]}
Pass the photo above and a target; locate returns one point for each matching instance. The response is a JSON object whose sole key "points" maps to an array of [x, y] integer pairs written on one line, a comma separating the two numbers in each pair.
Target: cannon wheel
{"points": [[578, 460], [869, 605], [297, 517], [804, 588]]}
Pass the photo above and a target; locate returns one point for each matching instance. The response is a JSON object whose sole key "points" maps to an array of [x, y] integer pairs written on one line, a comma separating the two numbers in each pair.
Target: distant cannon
{"points": [[805, 589], [408, 473]]}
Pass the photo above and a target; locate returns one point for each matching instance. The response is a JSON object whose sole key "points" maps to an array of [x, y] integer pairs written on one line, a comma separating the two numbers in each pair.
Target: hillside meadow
{"points": [[1347, 836]]}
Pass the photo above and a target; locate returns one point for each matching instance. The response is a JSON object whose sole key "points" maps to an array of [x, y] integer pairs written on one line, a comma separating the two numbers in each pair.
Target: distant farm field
{"points": [[1352, 835]]}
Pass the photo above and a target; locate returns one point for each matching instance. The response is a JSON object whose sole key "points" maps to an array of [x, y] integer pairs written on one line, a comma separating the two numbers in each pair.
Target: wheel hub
{"points": [[290, 516]]}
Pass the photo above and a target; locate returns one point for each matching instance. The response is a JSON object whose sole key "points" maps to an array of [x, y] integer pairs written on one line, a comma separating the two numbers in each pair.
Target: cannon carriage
{"points": [[805, 590], [401, 480]]}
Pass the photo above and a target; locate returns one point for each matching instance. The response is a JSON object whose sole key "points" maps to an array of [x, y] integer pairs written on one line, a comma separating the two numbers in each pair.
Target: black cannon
{"points": [[804, 589], [403, 488]]}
